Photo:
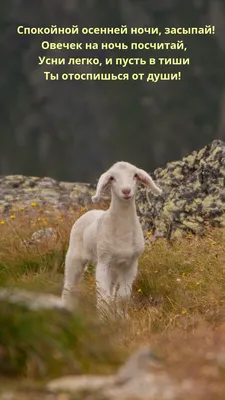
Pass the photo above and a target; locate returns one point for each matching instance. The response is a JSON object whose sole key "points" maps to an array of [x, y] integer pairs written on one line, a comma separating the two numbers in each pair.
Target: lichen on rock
{"points": [[23, 190], [193, 193]]}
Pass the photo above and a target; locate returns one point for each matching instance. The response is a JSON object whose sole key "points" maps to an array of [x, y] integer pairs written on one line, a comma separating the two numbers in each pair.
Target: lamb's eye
{"points": [[135, 176], [111, 178]]}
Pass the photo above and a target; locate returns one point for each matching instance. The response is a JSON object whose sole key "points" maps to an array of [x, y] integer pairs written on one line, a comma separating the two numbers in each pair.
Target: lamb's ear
{"points": [[102, 182], [145, 178]]}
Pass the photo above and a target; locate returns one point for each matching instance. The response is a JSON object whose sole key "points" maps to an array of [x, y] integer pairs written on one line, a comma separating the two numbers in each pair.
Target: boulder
{"points": [[193, 194]]}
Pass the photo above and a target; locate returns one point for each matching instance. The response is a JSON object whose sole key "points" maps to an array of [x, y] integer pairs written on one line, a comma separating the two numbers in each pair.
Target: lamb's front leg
{"points": [[105, 282], [125, 282]]}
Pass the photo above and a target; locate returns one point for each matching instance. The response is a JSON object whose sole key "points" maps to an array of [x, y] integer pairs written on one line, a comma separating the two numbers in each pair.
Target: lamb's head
{"points": [[123, 178]]}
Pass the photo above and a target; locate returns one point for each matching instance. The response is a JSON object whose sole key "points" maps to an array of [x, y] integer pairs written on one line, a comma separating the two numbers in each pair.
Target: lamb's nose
{"points": [[126, 191]]}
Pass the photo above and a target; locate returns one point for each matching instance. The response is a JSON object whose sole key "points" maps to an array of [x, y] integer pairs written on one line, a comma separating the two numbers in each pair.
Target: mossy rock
{"points": [[39, 338], [193, 193]]}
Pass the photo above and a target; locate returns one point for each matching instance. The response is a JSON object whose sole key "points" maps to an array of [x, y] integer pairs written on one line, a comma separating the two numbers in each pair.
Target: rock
{"points": [[136, 365], [40, 336], [146, 387], [19, 190], [140, 362], [193, 194], [80, 383], [32, 300], [41, 235], [138, 378]]}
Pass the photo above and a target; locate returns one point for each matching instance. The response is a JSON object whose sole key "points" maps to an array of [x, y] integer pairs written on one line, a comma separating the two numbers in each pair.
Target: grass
{"points": [[177, 307]]}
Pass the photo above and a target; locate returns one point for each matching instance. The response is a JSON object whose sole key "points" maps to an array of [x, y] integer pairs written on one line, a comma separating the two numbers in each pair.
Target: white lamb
{"points": [[112, 239]]}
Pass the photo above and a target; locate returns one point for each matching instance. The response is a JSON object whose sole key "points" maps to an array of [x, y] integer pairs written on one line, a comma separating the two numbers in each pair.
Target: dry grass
{"points": [[178, 299]]}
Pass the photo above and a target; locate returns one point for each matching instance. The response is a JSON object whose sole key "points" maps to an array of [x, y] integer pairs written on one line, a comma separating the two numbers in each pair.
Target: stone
{"points": [[140, 378], [32, 300], [41, 235], [193, 194]]}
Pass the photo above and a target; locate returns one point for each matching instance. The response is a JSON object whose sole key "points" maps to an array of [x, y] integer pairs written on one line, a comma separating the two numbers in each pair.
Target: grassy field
{"points": [[177, 308]]}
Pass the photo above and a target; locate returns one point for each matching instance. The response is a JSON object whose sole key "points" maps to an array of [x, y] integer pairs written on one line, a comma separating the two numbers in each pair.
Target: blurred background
{"points": [[73, 130]]}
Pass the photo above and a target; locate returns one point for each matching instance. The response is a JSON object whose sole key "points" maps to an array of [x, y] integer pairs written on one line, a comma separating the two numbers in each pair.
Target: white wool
{"points": [[112, 239]]}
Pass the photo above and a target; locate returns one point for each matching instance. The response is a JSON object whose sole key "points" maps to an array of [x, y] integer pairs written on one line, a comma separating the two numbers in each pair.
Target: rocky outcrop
{"points": [[19, 190], [193, 194]]}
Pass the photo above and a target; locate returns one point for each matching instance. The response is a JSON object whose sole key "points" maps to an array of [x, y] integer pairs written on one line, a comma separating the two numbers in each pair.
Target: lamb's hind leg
{"points": [[74, 268]]}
